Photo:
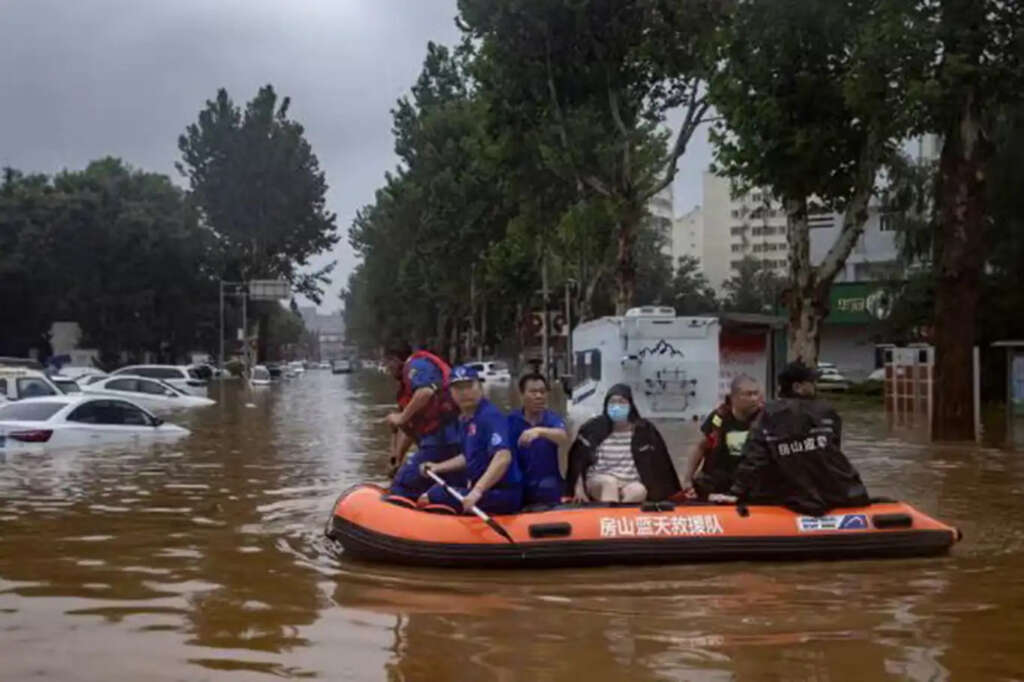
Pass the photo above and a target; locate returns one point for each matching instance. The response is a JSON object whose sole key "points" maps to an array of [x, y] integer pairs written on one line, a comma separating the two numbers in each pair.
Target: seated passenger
{"points": [[793, 454], [725, 432], [536, 434], [495, 482], [620, 457]]}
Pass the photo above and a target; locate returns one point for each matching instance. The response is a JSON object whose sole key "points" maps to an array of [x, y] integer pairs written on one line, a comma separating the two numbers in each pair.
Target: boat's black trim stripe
{"points": [[365, 543]]}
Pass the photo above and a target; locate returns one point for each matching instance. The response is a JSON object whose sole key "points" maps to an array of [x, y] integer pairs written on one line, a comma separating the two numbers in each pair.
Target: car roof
{"points": [[77, 399], [111, 377]]}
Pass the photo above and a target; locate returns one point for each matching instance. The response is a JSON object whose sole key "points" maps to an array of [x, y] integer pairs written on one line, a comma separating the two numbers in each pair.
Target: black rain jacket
{"points": [[653, 462], [793, 458]]}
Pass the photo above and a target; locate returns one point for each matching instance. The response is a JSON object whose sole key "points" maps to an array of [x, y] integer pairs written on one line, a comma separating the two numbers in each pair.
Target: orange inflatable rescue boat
{"points": [[370, 524]]}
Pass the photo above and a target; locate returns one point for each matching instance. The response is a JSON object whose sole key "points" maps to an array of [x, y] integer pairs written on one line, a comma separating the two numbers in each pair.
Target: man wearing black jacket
{"points": [[793, 456]]}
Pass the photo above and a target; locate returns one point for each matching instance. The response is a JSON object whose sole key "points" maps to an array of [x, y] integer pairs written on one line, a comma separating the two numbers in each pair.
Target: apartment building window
{"points": [[758, 248], [735, 264], [736, 248], [737, 230], [820, 219]]}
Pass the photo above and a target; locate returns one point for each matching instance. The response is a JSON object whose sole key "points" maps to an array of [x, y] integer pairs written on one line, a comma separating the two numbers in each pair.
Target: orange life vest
{"points": [[439, 410]]}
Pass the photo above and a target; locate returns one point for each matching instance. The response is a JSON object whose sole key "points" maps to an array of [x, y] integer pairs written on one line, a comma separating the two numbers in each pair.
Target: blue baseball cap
{"points": [[463, 373]]}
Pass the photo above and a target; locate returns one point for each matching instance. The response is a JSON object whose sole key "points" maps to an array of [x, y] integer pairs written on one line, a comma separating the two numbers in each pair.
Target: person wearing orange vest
{"points": [[427, 417]]}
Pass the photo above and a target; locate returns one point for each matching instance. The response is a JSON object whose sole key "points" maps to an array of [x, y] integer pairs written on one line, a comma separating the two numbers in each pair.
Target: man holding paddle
{"points": [[496, 483]]}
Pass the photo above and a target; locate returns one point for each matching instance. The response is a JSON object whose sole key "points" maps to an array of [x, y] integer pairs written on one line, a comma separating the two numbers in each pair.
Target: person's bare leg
{"points": [[603, 488], [634, 492]]}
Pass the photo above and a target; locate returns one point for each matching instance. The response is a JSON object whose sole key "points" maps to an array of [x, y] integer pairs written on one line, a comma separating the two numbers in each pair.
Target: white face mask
{"points": [[617, 413]]}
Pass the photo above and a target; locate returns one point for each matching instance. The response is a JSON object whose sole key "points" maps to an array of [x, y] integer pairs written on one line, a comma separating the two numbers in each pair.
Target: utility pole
{"points": [[245, 330], [472, 311], [220, 355], [544, 296], [568, 331], [483, 332]]}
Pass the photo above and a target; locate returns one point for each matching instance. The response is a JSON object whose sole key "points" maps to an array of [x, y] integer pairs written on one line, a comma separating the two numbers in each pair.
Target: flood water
{"points": [[205, 560]]}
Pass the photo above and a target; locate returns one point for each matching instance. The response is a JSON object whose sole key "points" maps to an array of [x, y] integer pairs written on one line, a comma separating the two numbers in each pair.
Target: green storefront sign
{"points": [[858, 303]]}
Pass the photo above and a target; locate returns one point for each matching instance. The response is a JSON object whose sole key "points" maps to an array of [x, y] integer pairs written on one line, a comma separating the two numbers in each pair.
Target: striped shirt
{"points": [[615, 457]]}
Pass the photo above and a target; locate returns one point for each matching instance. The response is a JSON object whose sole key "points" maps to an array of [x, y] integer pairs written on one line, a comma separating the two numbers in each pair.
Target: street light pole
{"points": [[544, 296], [245, 331], [568, 330], [220, 355]]}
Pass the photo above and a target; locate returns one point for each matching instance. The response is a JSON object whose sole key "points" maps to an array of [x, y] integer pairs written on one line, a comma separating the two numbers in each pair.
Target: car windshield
{"points": [[68, 387], [499, 366], [29, 412], [30, 387], [261, 374]]}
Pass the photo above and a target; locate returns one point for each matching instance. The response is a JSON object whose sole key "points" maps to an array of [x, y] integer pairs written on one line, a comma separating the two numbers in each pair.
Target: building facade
{"points": [[329, 331], [687, 237]]}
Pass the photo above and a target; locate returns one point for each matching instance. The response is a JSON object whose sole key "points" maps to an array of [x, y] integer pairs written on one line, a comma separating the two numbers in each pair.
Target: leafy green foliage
{"points": [[586, 86], [692, 294], [114, 248], [258, 187], [754, 288]]}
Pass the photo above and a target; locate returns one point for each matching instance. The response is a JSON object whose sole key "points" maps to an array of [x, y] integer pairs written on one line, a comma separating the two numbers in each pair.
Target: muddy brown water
{"points": [[205, 560]]}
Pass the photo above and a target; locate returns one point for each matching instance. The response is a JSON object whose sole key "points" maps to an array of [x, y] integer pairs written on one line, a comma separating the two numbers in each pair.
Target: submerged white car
{"points": [[492, 371], [67, 386], [829, 378], [260, 376], [183, 378], [151, 393], [74, 421], [18, 383]]}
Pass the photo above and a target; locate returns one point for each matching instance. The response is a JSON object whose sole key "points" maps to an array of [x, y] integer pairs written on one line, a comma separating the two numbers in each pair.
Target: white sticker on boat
{"points": [[648, 526], [809, 524]]}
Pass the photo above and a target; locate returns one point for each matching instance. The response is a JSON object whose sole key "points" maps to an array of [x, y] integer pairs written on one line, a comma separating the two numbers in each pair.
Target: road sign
{"points": [[269, 289]]}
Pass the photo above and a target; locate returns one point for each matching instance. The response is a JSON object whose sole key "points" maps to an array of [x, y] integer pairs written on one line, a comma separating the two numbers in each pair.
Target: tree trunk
{"points": [[959, 259], [625, 266], [806, 303]]}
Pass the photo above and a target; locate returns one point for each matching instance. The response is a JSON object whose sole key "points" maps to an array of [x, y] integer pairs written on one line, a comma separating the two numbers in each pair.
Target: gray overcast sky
{"points": [[81, 79]]}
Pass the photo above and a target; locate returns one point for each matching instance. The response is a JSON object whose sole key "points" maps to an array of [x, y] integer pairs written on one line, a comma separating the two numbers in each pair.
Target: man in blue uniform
{"points": [[427, 417], [495, 482], [537, 433]]}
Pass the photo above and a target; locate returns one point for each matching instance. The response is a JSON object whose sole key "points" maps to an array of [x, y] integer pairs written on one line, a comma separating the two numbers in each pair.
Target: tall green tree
{"points": [[972, 69], [813, 103], [114, 248], [692, 294], [258, 186], [429, 230], [587, 86], [754, 288]]}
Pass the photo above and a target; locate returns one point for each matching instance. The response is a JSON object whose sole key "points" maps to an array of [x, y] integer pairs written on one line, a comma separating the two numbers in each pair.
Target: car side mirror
{"points": [[170, 394], [157, 421]]}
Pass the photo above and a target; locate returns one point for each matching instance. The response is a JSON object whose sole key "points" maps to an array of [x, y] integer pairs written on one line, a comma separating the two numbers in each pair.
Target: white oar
{"points": [[476, 510]]}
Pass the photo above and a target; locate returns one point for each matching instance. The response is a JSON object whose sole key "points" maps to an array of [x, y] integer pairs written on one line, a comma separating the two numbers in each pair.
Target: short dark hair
{"points": [[532, 376]]}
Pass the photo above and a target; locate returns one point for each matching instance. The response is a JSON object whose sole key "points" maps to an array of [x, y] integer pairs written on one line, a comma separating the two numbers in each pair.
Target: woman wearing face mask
{"points": [[619, 456]]}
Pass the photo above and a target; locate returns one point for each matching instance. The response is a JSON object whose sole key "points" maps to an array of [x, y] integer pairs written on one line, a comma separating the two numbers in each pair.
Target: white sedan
{"points": [[74, 421], [151, 393]]}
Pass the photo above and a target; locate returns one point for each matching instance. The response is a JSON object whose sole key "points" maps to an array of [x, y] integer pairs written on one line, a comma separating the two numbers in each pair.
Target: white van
{"points": [[19, 382]]}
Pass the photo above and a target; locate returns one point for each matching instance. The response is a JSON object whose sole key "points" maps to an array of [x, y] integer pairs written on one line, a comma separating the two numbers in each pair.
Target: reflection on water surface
{"points": [[204, 559]]}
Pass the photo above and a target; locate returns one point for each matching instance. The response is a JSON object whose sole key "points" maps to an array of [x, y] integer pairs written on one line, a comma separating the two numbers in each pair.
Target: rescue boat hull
{"points": [[370, 527]]}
